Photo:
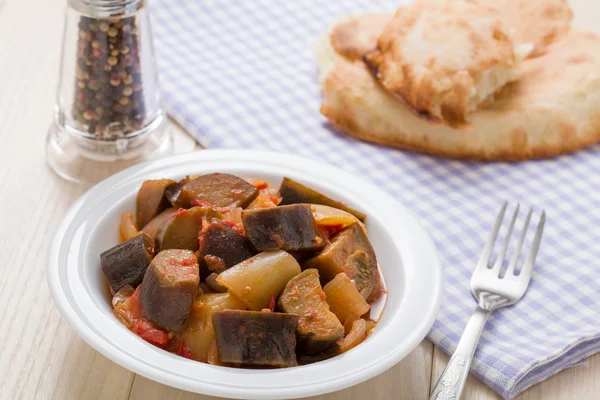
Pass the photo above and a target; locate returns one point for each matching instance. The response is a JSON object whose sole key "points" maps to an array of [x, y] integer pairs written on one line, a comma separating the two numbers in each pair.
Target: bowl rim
{"points": [[433, 284]]}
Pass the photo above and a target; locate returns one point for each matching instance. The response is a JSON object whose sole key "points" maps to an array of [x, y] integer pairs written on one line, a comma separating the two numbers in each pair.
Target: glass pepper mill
{"points": [[108, 112]]}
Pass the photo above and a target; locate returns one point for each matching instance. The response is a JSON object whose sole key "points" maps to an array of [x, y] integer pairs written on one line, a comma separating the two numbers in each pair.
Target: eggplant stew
{"points": [[234, 272]]}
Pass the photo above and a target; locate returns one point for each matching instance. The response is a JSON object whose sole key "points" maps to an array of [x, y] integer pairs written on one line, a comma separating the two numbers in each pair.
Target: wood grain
{"points": [[41, 357], [409, 379]]}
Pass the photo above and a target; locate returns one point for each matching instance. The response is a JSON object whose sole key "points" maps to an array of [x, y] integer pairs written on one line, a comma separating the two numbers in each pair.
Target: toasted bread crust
{"points": [[352, 37], [444, 59], [554, 109], [539, 22]]}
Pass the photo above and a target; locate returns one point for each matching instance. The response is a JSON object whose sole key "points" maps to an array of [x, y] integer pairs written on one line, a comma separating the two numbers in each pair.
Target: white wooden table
{"points": [[40, 356]]}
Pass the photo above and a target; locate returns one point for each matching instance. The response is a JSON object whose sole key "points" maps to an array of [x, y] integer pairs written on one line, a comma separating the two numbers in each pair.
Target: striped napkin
{"points": [[241, 74]]}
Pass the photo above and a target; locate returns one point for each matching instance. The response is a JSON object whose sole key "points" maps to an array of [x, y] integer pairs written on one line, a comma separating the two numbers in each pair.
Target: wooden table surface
{"points": [[40, 355]]}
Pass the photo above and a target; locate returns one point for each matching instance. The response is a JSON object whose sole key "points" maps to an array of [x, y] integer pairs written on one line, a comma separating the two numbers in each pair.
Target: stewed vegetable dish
{"points": [[234, 272]]}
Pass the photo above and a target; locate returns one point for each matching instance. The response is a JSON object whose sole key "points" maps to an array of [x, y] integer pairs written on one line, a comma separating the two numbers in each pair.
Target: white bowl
{"points": [[406, 255]]}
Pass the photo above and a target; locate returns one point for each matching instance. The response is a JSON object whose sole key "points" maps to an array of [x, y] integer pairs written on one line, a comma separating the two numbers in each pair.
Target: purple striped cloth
{"points": [[241, 74]]}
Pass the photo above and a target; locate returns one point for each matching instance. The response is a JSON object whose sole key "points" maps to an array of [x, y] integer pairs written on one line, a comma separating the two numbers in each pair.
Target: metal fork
{"points": [[491, 293]]}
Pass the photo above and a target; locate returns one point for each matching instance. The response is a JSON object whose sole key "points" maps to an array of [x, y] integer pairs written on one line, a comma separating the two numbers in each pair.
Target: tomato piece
{"points": [[134, 305], [236, 227], [150, 334], [275, 199], [273, 195], [189, 261], [259, 184], [184, 351]]}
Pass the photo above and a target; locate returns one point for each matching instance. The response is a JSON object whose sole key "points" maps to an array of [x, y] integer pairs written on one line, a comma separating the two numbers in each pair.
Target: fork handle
{"points": [[451, 383]]}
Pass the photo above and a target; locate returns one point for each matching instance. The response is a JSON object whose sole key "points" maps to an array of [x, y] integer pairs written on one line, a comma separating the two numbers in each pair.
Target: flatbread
{"points": [[553, 109], [445, 59], [539, 22], [353, 36]]}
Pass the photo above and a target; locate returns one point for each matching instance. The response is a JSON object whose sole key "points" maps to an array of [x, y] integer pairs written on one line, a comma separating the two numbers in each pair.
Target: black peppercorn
{"points": [[107, 76]]}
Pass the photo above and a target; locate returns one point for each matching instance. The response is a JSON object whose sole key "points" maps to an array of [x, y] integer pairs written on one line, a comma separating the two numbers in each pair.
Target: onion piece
{"points": [[348, 323], [331, 216], [261, 201], [234, 215], [343, 297], [356, 336], [127, 227], [122, 307]]}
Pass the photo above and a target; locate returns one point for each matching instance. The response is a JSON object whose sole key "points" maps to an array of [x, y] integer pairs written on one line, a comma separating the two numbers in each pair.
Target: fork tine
{"points": [[500, 259], [530, 262], [487, 250], [515, 256]]}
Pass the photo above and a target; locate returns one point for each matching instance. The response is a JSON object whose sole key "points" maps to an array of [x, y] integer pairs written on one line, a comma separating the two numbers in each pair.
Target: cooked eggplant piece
{"points": [[152, 226], [302, 256], [217, 190], [211, 281], [182, 230], [344, 299], [199, 333], [222, 247], [293, 192], [169, 287], [318, 327], [126, 263], [151, 200], [256, 338], [350, 252], [256, 279], [285, 227], [173, 191]]}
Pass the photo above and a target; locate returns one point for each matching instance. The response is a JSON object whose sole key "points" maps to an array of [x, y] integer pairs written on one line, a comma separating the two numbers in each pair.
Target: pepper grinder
{"points": [[108, 113]]}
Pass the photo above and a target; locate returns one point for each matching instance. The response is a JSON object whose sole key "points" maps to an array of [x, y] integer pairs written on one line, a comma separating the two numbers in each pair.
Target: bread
{"points": [[539, 22], [352, 37], [553, 109], [444, 59]]}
